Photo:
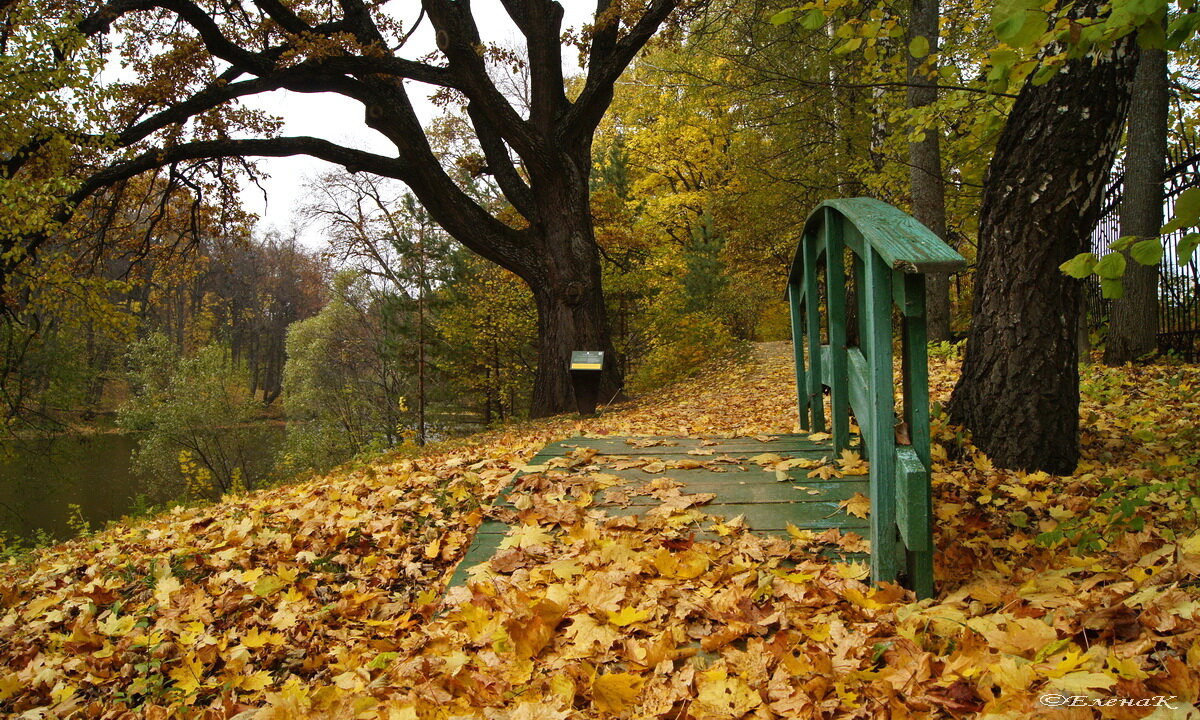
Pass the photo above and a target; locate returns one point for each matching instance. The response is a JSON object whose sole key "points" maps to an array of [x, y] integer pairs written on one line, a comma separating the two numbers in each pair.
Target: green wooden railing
{"points": [[891, 252]]}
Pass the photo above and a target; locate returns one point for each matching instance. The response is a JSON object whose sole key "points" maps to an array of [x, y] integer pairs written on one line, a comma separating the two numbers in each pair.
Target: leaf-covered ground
{"points": [[325, 599]]}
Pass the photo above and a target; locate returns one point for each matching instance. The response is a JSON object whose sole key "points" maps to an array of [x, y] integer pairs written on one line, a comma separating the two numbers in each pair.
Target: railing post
{"points": [[835, 288], [914, 374], [881, 438], [861, 298], [914, 371], [796, 306], [812, 316]]}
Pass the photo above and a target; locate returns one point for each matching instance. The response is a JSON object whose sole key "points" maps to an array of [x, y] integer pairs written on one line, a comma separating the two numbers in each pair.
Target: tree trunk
{"points": [[571, 313], [1133, 319], [925, 166], [1019, 391], [421, 280]]}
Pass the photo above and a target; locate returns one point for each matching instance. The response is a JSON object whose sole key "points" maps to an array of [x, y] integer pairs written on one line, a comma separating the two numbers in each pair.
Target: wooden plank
{"points": [[795, 307], [835, 288], [768, 504], [750, 475], [915, 371], [859, 390], [914, 515], [687, 443], [880, 439], [761, 492], [812, 326], [624, 448], [913, 511], [902, 242], [771, 516]]}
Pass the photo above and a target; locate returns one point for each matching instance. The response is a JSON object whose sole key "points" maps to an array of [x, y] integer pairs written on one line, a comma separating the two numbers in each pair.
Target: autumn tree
{"points": [[926, 182], [196, 59], [1019, 392], [375, 228], [1133, 317]]}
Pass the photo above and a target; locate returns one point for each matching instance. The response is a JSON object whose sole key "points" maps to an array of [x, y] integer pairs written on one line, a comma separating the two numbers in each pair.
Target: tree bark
{"points": [[925, 166], [570, 302], [1019, 391], [1133, 319]]}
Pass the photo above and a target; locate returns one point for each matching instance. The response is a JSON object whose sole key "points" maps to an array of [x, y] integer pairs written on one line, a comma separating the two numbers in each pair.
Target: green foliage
{"points": [[946, 349], [50, 103], [198, 434], [339, 381], [694, 340], [489, 328]]}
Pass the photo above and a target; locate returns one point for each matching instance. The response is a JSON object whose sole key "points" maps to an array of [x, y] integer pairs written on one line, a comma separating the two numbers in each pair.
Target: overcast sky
{"points": [[338, 119]]}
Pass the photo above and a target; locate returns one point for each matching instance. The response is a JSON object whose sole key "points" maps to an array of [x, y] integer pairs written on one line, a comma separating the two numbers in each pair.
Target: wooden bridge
{"points": [[856, 288]]}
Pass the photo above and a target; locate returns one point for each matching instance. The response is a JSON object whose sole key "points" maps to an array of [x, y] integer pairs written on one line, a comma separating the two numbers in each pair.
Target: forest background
{"points": [[222, 357]]}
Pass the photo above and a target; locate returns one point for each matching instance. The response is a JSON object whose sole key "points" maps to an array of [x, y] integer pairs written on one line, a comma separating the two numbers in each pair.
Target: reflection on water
{"points": [[41, 477]]}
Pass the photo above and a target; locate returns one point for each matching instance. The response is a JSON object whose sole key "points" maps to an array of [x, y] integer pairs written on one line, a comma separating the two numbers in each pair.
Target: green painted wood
{"points": [[621, 446], [768, 504], [861, 296], [859, 389], [913, 511], [915, 518], [795, 306], [770, 516], [812, 323], [898, 238], [483, 547], [915, 370], [835, 281], [891, 251], [760, 492], [881, 438]]}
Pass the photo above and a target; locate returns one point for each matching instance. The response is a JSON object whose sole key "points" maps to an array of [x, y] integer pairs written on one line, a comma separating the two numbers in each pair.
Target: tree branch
{"points": [[607, 59], [458, 39], [540, 21]]}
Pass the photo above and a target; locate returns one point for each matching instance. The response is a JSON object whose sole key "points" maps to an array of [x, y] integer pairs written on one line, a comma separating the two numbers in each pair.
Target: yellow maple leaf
{"points": [[254, 682], [614, 692], [858, 505], [267, 585], [1083, 681], [853, 570], [188, 674], [721, 697], [565, 569], [628, 616], [526, 536], [684, 565], [256, 638], [852, 463], [825, 472], [117, 626], [164, 588], [801, 535]]}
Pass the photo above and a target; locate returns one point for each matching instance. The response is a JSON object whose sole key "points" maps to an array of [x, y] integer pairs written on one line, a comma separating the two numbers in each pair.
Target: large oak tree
{"points": [[196, 59]]}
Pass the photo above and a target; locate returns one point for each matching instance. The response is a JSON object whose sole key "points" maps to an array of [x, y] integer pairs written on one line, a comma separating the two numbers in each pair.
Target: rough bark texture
{"points": [[567, 292], [1133, 319], [1019, 391], [925, 167]]}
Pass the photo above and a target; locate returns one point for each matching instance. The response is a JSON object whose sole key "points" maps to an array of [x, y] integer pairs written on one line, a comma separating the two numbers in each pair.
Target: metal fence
{"points": [[1178, 285]]}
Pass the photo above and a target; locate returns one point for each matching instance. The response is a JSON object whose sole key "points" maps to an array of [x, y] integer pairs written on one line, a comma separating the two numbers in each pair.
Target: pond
{"points": [[41, 477]]}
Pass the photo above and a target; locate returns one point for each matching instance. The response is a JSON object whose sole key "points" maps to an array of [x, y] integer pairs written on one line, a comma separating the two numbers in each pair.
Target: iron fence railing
{"points": [[1178, 285]]}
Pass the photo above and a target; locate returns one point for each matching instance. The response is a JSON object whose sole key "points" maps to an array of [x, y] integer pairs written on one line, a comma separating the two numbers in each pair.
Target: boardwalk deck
{"points": [[742, 488]]}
